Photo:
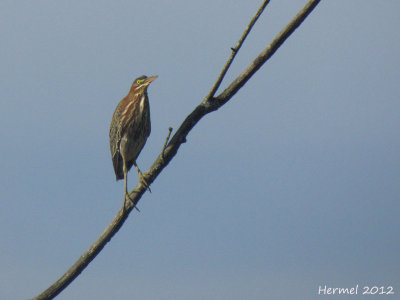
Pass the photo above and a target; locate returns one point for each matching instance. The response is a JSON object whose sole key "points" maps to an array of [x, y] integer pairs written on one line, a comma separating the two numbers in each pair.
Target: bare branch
{"points": [[208, 105], [86, 257], [235, 50], [267, 52]]}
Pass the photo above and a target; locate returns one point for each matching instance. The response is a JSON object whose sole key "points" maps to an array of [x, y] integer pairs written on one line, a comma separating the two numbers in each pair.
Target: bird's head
{"points": [[141, 83]]}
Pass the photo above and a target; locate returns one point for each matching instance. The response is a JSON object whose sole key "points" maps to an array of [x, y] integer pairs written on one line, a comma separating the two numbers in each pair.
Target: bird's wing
{"points": [[115, 140]]}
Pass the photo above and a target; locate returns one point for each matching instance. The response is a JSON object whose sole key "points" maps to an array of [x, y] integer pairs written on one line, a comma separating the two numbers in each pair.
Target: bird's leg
{"points": [[126, 194], [142, 177]]}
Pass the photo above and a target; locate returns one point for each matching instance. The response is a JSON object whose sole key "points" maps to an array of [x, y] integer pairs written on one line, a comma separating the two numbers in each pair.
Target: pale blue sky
{"points": [[293, 184]]}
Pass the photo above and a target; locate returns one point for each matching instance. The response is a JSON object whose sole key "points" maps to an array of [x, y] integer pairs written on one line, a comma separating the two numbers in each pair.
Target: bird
{"points": [[129, 129]]}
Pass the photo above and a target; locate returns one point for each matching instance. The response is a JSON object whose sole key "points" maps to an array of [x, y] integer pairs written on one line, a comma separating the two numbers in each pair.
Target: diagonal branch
{"points": [[208, 105]]}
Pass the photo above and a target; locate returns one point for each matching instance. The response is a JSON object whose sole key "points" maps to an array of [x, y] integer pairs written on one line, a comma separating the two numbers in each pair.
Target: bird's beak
{"points": [[149, 80]]}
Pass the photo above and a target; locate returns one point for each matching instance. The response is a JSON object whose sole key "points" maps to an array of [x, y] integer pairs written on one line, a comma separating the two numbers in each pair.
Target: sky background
{"points": [[293, 184]]}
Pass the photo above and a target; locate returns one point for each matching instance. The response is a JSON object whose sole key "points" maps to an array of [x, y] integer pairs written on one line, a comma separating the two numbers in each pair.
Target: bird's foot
{"points": [[144, 179]]}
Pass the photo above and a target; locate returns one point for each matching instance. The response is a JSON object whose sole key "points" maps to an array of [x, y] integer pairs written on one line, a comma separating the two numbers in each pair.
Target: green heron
{"points": [[129, 129]]}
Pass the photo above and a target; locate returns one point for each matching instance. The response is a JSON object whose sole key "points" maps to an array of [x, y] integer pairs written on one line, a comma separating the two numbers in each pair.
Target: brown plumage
{"points": [[129, 129]]}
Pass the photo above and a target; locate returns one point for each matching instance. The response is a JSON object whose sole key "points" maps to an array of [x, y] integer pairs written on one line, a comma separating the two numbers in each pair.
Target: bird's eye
{"points": [[139, 81]]}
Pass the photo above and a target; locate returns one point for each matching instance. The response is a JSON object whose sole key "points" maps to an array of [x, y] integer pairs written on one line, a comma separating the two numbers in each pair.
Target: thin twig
{"points": [[235, 50], [205, 107], [166, 141]]}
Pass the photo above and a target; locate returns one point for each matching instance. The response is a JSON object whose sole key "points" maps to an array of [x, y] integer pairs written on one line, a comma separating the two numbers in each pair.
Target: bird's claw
{"points": [[143, 180], [128, 198]]}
